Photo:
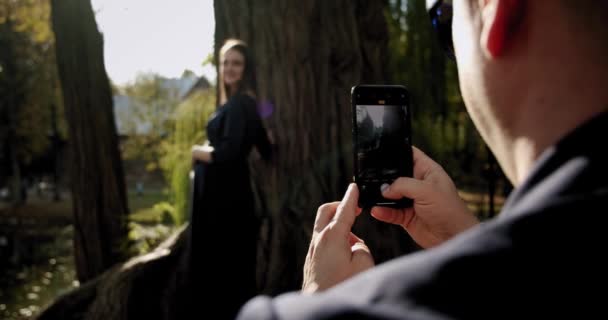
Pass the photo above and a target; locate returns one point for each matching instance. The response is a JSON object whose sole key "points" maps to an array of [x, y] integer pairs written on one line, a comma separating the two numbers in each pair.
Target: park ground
{"points": [[43, 268], [40, 263]]}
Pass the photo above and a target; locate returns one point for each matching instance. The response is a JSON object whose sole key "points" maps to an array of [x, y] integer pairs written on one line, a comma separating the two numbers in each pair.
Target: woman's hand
{"points": [[202, 153], [438, 212]]}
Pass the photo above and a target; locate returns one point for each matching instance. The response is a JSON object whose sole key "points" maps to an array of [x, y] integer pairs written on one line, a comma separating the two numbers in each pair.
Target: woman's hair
{"points": [[248, 83]]}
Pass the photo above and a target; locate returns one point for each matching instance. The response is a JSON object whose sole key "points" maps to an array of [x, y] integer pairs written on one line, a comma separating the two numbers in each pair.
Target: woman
{"points": [[223, 208]]}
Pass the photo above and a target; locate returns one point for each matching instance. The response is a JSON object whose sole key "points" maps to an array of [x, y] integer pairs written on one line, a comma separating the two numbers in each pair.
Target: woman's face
{"points": [[232, 65]]}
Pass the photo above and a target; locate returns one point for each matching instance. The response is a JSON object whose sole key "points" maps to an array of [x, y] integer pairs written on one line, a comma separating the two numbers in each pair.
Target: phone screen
{"points": [[383, 148]]}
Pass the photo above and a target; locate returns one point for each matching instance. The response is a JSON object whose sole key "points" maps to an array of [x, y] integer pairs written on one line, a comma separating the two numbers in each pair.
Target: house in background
{"points": [[127, 110], [143, 113]]}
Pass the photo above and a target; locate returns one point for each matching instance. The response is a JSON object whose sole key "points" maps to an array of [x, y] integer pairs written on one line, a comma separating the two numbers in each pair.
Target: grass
{"points": [[142, 206], [39, 209]]}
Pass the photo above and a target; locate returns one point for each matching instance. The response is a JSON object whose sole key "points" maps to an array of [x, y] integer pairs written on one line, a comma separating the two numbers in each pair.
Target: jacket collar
{"points": [[575, 166]]}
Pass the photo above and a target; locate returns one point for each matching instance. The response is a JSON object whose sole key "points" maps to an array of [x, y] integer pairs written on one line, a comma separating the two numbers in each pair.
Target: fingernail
{"points": [[383, 187]]}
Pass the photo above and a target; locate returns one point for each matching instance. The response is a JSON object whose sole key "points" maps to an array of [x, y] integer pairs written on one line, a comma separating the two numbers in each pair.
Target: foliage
{"points": [[28, 78], [441, 125], [145, 238], [209, 61], [148, 118], [167, 212], [189, 128], [162, 130]]}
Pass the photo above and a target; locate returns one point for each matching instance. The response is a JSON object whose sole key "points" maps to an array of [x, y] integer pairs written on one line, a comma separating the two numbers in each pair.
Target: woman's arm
{"points": [[262, 142], [233, 131]]}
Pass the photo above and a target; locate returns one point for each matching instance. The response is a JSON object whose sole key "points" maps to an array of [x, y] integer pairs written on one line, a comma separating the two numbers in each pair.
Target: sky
{"points": [[159, 36]]}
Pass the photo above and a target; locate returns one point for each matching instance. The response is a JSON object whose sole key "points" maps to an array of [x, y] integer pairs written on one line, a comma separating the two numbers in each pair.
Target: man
{"points": [[533, 75]]}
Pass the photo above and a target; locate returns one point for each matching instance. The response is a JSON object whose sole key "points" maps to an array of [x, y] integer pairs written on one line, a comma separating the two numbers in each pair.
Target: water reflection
{"points": [[25, 289]]}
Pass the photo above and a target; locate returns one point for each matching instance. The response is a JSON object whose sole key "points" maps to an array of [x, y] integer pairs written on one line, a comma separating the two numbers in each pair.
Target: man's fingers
{"points": [[343, 213], [357, 244], [361, 257], [359, 210], [405, 187], [325, 213], [422, 163], [394, 216], [347, 210], [389, 215], [353, 239]]}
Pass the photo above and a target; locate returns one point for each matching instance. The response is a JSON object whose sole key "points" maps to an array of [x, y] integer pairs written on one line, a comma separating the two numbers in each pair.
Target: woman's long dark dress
{"points": [[224, 224]]}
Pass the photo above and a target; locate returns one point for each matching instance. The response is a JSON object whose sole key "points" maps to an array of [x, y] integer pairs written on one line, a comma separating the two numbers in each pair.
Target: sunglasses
{"points": [[441, 19]]}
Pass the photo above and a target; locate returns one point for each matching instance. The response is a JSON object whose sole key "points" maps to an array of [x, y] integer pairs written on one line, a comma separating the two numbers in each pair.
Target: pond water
{"points": [[45, 270]]}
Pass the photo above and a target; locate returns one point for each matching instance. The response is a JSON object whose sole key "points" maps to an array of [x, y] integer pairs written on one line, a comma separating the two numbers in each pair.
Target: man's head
{"points": [[525, 67]]}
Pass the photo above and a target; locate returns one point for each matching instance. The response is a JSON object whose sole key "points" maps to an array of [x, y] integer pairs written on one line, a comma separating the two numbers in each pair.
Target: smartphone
{"points": [[382, 141]]}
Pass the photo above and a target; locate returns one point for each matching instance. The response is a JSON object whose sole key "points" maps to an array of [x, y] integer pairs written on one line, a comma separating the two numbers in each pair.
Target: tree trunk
{"points": [[308, 54], [98, 188]]}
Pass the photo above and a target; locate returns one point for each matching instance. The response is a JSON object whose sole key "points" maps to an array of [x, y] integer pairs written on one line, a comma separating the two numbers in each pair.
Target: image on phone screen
{"points": [[382, 142]]}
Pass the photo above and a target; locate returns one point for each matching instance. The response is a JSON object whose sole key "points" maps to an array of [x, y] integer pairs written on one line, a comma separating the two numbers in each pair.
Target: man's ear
{"points": [[500, 21]]}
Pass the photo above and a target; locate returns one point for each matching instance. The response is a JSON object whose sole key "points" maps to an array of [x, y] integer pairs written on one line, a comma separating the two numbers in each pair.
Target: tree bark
{"points": [[309, 54], [98, 188]]}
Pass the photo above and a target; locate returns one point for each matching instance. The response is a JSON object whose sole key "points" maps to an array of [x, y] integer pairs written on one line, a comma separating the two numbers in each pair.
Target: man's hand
{"points": [[335, 253], [438, 212]]}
